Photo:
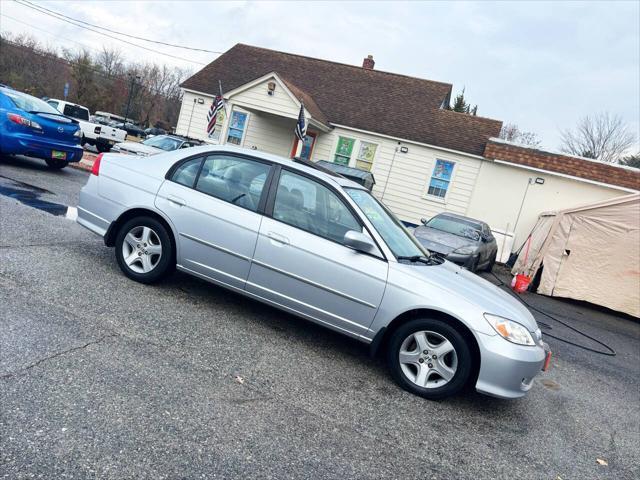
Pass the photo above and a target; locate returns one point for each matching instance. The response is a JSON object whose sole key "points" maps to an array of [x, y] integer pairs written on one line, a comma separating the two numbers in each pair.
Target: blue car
{"points": [[30, 126]]}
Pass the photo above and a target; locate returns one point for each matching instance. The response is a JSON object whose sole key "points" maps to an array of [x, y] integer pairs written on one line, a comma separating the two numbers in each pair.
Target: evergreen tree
{"points": [[460, 105], [631, 160]]}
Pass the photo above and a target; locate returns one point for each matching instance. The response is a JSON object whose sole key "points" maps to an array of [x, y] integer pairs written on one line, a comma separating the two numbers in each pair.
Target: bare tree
{"points": [[512, 133], [602, 136]]}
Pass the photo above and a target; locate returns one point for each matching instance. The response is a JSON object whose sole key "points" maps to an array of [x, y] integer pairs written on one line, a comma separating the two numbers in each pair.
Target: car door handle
{"points": [[178, 201], [276, 237]]}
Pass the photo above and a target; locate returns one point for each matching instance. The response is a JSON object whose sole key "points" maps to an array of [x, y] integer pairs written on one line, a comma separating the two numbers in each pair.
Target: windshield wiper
{"points": [[415, 259]]}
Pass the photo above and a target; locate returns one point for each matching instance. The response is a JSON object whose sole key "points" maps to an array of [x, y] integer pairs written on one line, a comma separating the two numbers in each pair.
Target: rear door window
{"points": [[236, 180], [186, 173]]}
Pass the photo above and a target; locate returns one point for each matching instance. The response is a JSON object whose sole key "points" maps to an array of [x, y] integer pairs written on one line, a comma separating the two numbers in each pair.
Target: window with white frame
{"points": [[237, 127], [441, 178]]}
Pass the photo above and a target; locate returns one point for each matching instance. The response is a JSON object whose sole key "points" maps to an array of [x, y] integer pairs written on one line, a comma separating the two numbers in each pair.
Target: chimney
{"points": [[368, 63]]}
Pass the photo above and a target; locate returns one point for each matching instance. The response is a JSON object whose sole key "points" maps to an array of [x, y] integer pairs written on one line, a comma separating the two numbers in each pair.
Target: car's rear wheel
{"points": [[429, 358], [144, 250], [56, 163], [102, 148]]}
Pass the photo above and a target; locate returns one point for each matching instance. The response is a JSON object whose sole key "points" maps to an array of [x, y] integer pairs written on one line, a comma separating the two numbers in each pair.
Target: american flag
{"points": [[301, 126], [216, 106]]}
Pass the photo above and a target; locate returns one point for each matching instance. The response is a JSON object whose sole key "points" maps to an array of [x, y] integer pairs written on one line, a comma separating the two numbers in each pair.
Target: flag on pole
{"points": [[301, 126], [212, 116]]}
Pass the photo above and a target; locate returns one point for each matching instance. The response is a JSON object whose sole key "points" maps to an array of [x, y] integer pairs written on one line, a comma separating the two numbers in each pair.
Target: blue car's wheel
{"points": [[56, 163]]}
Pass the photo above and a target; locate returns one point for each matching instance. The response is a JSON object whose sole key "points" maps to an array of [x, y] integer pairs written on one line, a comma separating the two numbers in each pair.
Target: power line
{"points": [[37, 9], [122, 33], [48, 32]]}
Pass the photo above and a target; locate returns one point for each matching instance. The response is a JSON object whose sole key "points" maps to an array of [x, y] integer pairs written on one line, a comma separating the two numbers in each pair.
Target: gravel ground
{"points": [[101, 377]]}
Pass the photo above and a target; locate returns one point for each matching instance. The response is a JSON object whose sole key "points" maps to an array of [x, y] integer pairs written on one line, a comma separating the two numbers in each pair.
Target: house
{"points": [[426, 159]]}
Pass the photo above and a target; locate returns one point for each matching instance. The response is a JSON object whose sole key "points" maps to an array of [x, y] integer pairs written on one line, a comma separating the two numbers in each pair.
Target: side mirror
{"points": [[423, 221], [358, 241]]}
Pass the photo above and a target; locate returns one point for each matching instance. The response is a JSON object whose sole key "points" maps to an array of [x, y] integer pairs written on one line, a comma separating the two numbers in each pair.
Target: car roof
{"points": [[209, 148], [461, 217]]}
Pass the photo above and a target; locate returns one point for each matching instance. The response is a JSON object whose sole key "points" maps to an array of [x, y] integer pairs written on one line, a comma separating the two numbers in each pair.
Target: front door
{"points": [[213, 203], [301, 263]]}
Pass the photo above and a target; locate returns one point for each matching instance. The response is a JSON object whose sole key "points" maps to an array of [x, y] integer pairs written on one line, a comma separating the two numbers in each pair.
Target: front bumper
{"points": [[507, 370], [19, 144], [462, 260]]}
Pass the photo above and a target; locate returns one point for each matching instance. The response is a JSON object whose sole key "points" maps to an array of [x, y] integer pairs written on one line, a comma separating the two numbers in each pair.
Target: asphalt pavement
{"points": [[102, 377]]}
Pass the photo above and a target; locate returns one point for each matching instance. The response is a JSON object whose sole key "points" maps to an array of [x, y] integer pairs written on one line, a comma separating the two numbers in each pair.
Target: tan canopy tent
{"points": [[589, 253]]}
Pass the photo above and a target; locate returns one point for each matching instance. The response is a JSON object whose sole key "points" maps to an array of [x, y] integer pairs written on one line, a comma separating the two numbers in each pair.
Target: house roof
{"points": [[391, 104], [588, 169]]}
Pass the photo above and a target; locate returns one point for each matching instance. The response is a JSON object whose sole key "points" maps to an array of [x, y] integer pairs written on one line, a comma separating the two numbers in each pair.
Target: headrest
{"points": [[297, 199]]}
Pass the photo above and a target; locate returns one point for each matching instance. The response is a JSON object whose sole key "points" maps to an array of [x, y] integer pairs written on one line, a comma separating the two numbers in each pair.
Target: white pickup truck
{"points": [[102, 137]]}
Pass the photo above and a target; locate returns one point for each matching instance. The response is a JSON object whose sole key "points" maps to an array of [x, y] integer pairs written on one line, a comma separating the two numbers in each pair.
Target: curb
{"points": [[86, 163]]}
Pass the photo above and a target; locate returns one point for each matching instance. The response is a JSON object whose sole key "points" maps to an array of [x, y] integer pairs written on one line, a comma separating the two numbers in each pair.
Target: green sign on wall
{"points": [[343, 151]]}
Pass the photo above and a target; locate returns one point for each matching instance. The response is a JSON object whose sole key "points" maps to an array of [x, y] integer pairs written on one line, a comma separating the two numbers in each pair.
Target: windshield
{"points": [[456, 226], [28, 103], [163, 142], [395, 235]]}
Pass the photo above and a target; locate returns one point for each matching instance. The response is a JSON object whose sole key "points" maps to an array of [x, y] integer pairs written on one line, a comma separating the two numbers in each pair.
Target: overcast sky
{"points": [[540, 65]]}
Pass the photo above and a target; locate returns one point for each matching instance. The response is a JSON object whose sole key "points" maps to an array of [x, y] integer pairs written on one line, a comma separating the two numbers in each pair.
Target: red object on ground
{"points": [[521, 281]]}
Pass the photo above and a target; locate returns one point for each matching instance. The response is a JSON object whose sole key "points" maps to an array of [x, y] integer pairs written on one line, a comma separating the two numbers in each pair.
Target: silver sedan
{"points": [[319, 246]]}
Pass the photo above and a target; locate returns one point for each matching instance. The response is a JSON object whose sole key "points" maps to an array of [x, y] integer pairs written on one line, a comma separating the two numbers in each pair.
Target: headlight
{"points": [[466, 250], [510, 330], [78, 133]]}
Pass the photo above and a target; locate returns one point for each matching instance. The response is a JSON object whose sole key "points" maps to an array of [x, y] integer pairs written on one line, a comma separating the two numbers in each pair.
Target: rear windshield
{"points": [[165, 143], [76, 111], [27, 102], [456, 226]]}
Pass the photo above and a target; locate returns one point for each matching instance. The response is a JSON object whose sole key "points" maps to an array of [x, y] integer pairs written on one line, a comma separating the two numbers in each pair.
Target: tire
{"points": [[102, 148], [147, 255], [56, 164], [492, 262], [433, 379], [83, 142], [473, 266]]}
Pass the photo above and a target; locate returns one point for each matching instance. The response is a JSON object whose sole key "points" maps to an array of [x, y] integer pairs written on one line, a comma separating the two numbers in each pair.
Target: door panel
{"points": [[216, 219], [216, 238], [301, 263], [317, 277]]}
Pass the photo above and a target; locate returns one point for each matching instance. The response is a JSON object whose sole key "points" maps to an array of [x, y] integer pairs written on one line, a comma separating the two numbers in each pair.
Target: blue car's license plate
{"points": [[58, 155]]}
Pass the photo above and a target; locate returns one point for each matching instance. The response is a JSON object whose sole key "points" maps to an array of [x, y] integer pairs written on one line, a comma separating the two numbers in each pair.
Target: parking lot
{"points": [[101, 377]]}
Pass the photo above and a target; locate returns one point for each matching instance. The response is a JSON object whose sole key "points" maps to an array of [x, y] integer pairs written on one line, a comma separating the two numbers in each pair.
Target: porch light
{"points": [[271, 87]]}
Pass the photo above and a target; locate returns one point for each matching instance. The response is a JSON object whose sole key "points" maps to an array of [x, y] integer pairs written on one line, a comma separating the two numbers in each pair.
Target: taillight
{"points": [[20, 120], [96, 165]]}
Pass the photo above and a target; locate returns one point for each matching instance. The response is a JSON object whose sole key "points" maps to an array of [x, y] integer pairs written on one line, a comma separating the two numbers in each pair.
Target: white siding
{"points": [[269, 133], [194, 126], [256, 97], [405, 191], [501, 189]]}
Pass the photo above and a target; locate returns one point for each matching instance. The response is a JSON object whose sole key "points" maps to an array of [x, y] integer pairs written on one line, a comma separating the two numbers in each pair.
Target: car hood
{"points": [[459, 282], [441, 242], [137, 148]]}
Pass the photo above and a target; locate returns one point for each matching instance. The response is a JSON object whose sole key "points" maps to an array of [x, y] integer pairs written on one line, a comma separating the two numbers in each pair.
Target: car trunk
{"points": [[57, 127]]}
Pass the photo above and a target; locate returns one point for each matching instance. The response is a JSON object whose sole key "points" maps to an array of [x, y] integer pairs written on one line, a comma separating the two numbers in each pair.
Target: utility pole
{"points": [[133, 82]]}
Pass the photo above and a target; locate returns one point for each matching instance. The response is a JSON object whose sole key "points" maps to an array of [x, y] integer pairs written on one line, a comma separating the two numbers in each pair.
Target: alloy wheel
{"points": [[428, 359], [141, 249]]}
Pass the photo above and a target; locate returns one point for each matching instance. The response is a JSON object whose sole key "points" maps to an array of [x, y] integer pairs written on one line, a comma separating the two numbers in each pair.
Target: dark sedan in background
{"points": [[460, 239]]}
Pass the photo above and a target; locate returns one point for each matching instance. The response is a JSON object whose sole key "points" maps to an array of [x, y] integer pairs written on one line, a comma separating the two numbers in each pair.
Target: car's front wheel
{"points": [[56, 163], [429, 358], [143, 249]]}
